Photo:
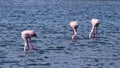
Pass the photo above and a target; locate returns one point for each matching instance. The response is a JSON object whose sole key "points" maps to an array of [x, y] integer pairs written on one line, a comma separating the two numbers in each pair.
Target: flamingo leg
{"points": [[28, 45], [25, 43], [93, 34], [96, 33], [31, 44]]}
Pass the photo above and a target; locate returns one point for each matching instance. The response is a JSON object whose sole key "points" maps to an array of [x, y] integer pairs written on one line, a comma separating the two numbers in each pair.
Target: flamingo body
{"points": [[94, 22]]}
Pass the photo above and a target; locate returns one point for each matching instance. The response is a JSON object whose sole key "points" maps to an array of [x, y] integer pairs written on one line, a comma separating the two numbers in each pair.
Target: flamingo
{"points": [[74, 26], [95, 24], [27, 34]]}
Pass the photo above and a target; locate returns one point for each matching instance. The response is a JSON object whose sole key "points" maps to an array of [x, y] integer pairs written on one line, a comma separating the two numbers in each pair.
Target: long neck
{"points": [[92, 30], [74, 32]]}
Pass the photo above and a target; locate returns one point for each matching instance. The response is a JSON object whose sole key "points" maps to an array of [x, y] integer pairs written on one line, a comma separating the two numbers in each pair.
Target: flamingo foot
{"points": [[32, 47], [28, 47], [94, 36]]}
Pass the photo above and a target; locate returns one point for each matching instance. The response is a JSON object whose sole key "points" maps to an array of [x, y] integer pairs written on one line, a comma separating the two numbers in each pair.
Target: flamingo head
{"points": [[34, 34]]}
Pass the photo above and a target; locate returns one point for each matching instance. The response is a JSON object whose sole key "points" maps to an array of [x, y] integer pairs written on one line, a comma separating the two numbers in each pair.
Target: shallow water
{"points": [[54, 47]]}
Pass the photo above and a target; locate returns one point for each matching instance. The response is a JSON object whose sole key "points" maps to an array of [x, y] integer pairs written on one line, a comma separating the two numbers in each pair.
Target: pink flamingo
{"points": [[74, 26], [95, 24], [27, 34]]}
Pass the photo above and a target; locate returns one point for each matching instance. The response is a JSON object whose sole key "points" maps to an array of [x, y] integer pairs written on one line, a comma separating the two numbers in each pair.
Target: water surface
{"points": [[54, 47]]}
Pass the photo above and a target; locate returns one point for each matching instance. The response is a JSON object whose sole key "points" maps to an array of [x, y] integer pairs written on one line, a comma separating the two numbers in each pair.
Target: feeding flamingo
{"points": [[95, 24], [26, 35], [74, 26]]}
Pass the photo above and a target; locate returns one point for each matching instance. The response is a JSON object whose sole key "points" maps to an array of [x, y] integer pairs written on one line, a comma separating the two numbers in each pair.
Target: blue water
{"points": [[54, 47]]}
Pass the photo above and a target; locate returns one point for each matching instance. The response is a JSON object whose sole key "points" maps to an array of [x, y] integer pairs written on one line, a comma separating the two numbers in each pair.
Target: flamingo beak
{"points": [[36, 36]]}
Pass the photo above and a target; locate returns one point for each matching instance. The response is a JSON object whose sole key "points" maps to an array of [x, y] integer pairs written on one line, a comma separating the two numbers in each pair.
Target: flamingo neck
{"points": [[74, 33]]}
